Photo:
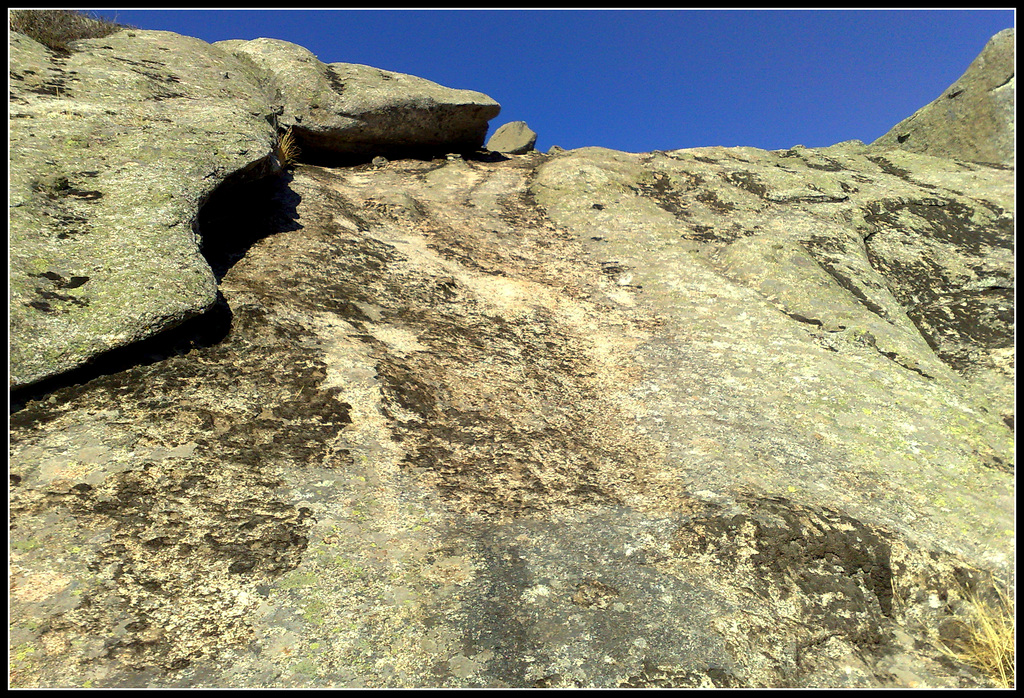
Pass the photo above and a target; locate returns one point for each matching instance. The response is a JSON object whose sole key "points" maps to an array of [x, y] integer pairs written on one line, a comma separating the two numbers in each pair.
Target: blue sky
{"points": [[648, 79]]}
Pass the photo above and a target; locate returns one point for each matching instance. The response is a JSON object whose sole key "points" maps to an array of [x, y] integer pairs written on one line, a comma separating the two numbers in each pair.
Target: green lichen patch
{"points": [[108, 187], [464, 428]]}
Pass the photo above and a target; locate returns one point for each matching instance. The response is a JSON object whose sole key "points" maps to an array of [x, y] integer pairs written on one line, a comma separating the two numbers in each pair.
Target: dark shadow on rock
{"points": [[325, 157], [240, 213], [205, 330], [488, 156]]}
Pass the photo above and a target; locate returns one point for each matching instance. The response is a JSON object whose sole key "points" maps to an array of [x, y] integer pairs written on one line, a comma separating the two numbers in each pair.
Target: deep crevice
{"points": [[240, 213], [206, 330], [248, 206]]}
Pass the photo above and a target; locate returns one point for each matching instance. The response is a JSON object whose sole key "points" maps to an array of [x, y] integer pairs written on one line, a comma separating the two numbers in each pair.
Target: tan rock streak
{"points": [[716, 417]]}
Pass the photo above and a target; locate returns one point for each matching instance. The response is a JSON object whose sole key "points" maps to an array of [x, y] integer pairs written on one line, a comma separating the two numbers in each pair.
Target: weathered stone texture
{"points": [[114, 148], [600, 419], [972, 120], [715, 417], [345, 108], [515, 138], [848, 239]]}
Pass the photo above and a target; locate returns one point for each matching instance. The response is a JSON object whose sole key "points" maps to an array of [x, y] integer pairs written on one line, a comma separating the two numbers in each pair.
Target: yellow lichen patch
{"points": [[55, 643], [398, 339]]}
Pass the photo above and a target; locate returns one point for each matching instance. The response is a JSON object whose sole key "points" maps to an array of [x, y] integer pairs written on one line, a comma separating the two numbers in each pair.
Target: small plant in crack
{"points": [[287, 149], [989, 641]]}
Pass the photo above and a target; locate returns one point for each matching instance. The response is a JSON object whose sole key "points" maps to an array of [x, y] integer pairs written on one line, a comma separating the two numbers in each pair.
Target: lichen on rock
{"points": [[346, 109], [712, 417], [110, 162]]}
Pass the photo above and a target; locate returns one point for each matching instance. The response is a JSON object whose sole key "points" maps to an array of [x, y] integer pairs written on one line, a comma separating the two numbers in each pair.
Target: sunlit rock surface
{"points": [[344, 109], [973, 119], [114, 148], [707, 417]]}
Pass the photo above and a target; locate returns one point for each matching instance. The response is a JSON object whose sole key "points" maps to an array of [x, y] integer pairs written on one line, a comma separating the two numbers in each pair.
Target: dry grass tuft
{"points": [[988, 642], [55, 29], [287, 149]]}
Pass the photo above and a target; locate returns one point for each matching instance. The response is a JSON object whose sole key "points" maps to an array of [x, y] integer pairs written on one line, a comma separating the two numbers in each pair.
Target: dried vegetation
{"points": [[56, 29], [287, 149], [988, 642]]}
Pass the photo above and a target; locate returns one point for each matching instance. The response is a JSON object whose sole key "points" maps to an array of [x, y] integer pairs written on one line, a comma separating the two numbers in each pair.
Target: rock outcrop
{"points": [[703, 417], [910, 250], [514, 138], [116, 147], [973, 120], [344, 108], [110, 161]]}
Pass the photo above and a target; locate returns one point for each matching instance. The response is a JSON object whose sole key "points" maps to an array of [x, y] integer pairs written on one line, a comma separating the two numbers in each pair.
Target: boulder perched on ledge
{"points": [[514, 138], [346, 108]]}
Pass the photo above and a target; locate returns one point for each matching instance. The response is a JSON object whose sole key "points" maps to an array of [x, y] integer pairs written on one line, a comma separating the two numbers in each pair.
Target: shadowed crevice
{"points": [[239, 214], [206, 330], [241, 211]]}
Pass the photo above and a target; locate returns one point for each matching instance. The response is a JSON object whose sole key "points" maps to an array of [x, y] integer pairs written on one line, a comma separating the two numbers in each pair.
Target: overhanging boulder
{"points": [[351, 109]]}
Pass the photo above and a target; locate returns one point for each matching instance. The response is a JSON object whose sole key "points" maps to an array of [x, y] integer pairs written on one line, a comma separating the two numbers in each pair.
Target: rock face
{"points": [[972, 120], [112, 159], [705, 417], [514, 138], [893, 252], [110, 162], [344, 108]]}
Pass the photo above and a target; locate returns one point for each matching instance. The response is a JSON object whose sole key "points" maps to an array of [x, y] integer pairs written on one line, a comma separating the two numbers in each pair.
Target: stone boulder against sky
{"points": [[689, 418], [345, 108], [974, 118], [515, 138]]}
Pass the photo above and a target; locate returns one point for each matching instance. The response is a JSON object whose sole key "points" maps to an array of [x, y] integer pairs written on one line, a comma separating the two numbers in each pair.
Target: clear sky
{"points": [[646, 79]]}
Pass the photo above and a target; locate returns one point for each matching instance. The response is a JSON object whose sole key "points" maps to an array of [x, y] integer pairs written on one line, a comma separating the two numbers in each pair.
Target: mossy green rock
{"points": [[807, 304], [113, 150]]}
